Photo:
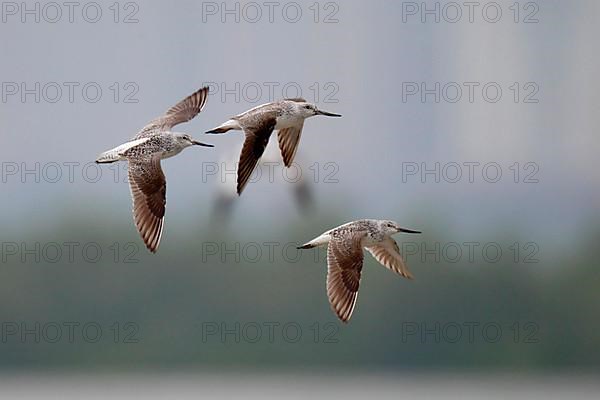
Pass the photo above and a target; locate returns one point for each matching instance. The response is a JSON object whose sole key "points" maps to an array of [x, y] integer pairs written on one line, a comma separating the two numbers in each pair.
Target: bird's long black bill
{"points": [[408, 231], [202, 144], [328, 114]]}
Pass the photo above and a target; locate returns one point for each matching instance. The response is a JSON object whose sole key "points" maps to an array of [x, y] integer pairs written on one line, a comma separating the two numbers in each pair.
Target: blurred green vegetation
{"points": [[175, 301]]}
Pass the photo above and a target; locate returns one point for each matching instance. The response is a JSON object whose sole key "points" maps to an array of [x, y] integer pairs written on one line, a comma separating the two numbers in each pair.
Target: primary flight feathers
{"points": [[152, 143], [287, 116], [345, 258], [155, 142]]}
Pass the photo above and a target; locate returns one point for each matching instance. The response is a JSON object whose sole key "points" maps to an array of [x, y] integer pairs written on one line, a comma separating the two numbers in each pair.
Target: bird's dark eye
{"points": [[307, 107]]}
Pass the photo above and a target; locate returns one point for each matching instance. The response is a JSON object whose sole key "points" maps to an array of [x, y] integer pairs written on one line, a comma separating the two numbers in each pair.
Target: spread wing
{"points": [[255, 143], [288, 142], [344, 265], [181, 112], [148, 190], [388, 255]]}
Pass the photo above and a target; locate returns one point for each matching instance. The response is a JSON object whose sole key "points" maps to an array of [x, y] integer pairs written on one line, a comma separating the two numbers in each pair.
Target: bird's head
{"points": [[185, 140], [310, 110], [391, 227]]}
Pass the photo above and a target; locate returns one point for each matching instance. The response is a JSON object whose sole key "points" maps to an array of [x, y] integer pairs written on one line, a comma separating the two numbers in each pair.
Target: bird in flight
{"points": [[286, 116], [345, 258], [143, 153]]}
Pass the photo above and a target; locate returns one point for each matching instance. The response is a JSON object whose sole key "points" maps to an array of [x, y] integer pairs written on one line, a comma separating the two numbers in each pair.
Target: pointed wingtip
{"points": [[240, 189], [343, 319]]}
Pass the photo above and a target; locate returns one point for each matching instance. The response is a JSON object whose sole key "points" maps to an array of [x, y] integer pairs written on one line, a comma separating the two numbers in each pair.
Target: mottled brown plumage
{"points": [[144, 151], [287, 116], [345, 258]]}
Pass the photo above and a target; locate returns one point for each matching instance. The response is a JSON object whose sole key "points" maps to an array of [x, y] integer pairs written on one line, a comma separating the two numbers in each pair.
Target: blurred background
{"points": [[476, 124]]}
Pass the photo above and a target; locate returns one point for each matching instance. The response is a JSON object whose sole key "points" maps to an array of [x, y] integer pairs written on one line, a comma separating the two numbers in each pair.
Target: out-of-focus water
{"points": [[402, 385]]}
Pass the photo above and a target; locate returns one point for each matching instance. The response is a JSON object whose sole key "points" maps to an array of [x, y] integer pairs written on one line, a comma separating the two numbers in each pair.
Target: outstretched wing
{"points": [[388, 255], [344, 266], [149, 193], [181, 112], [288, 142], [255, 143]]}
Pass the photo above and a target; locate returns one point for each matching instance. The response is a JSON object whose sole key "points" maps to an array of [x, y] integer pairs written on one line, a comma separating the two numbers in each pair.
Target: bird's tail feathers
{"points": [[108, 157], [318, 241], [226, 126]]}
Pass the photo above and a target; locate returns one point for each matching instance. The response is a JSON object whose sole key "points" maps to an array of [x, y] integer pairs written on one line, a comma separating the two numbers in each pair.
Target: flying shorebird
{"points": [[286, 116], [146, 179], [345, 258]]}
